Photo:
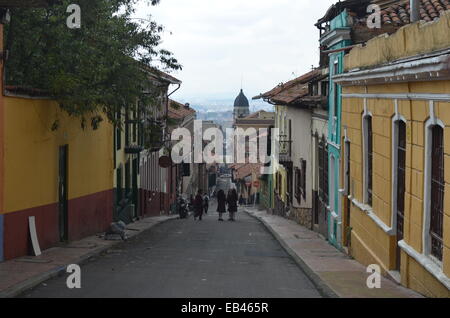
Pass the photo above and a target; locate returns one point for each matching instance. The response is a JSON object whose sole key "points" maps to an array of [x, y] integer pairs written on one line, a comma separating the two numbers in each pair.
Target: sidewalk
{"points": [[333, 272], [19, 275]]}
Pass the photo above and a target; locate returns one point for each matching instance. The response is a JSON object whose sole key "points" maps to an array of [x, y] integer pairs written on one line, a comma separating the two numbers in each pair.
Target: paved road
{"points": [[184, 258]]}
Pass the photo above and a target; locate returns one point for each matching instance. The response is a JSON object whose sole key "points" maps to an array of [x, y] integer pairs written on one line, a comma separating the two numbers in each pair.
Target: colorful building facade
{"points": [[395, 123], [62, 177], [338, 36]]}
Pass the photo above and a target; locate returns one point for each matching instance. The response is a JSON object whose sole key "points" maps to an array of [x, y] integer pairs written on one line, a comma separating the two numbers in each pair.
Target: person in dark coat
{"points": [[206, 203], [232, 200], [221, 203], [198, 206], [191, 201]]}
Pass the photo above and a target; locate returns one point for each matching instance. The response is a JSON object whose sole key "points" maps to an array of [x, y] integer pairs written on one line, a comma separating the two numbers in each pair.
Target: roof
{"points": [[357, 6], [161, 75], [305, 78], [293, 90], [244, 170], [291, 94], [241, 100], [399, 13], [178, 110]]}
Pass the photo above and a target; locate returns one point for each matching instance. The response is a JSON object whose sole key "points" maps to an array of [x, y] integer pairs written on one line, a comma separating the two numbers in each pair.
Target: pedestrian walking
{"points": [[221, 203], [198, 206], [191, 202], [232, 200], [241, 200], [206, 203]]}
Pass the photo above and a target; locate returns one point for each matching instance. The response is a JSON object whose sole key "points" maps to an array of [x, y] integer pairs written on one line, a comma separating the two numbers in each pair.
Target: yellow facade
{"points": [[373, 238], [31, 154]]}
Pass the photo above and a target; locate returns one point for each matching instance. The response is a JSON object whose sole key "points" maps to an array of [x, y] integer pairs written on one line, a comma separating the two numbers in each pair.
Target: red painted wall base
{"points": [[87, 215]]}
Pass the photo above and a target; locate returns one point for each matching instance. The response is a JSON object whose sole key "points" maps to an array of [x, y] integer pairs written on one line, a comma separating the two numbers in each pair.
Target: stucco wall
{"points": [[31, 173], [301, 149], [370, 244]]}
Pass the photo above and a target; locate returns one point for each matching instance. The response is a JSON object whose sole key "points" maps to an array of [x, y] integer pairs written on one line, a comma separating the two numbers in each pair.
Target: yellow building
{"points": [[53, 170], [396, 155]]}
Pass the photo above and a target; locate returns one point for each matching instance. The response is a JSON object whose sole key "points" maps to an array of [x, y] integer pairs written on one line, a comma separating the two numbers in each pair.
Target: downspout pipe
{"points": [[415, 10]]}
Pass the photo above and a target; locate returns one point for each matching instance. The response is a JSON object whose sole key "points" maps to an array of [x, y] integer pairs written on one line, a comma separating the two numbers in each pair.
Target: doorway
{"points": [[347, 203], [62, 194]]}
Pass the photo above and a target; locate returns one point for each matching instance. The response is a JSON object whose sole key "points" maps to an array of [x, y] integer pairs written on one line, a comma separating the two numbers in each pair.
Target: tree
{"points": [[98, 68]]}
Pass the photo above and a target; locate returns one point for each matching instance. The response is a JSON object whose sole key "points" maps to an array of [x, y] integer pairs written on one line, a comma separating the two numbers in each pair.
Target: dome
{"points": [[241, 100]]}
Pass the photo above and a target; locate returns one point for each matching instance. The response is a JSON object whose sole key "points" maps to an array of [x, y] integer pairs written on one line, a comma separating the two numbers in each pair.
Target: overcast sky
{"points": [[218, 42]]}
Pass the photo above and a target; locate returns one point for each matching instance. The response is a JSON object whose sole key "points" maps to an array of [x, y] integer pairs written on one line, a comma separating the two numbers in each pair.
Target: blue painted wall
{"points": [[1, 237], [336, 66]]}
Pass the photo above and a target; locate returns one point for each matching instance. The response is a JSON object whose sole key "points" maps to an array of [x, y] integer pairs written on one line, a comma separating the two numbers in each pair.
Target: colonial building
{"points": [[183, 116], [294, 102], [157, 188], [52, 170], [247, 175], [395, 124], [344, 25], [318, 92]]}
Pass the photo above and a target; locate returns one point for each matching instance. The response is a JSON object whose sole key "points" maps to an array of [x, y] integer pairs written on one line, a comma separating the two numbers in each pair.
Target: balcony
{"points": [[133, 149]]}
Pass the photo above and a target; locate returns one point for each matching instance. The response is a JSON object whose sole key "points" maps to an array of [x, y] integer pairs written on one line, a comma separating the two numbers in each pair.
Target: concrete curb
{"points": [[34, 281], [325, 290]]}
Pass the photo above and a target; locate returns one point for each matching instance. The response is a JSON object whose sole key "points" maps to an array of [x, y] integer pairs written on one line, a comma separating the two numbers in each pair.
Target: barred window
{"points": [[401, 161], [437, 192], [369, 159]]}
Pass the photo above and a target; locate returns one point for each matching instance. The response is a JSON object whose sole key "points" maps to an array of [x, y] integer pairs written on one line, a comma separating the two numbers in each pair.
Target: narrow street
{"points": [[184, 258]]}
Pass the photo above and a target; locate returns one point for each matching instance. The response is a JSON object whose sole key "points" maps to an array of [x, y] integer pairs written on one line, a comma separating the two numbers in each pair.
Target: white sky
{"points": [[219, 41]]}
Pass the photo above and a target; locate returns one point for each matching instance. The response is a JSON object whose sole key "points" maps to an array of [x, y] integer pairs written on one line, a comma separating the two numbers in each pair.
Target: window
{"points": [[368, 144], [134, 125], [336, 100], [127, 129], [336, 89], [347, 168], [332, 195], [303, 180], [401, 161], [290, 138], [127, 178], [437, 192], [324, 88], [298, 177], [323, 171], [118, 132], [300, 181], [321, 168], [119, 184]]}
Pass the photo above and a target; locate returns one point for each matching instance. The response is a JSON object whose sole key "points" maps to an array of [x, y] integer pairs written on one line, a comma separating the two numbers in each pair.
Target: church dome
{"points": [[241, 100]]}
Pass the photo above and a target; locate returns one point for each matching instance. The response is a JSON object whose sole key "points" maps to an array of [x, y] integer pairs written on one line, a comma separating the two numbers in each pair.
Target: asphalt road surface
{"points": [[190, 259]]}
